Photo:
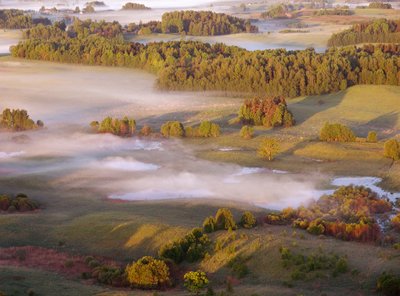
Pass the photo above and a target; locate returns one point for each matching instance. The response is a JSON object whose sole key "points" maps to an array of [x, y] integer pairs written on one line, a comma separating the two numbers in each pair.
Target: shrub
{"points": [[388, 284], [248, 220], [224, 219], [391, 149], [173, 129], [268, 148], [341, 266], [316, 228], [195, 281], [5, 202], [108, 275], [247, 132], [209, 225], [336, 133], [148, 273], [146, 130], [372, 137], [208, 129]]}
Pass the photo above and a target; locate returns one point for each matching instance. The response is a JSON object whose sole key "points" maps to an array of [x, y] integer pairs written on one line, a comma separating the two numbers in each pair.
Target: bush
{"points": [[388, 284], [248, 220], [195, 281], [148, 273], [247, 132], [316, 228], [173, 129], [146, 130], [208, 129], [209, 225], [190, 248], [336, 133], [372, 137], [341, 266], [391, 149], [268, 148], [224, 219]]}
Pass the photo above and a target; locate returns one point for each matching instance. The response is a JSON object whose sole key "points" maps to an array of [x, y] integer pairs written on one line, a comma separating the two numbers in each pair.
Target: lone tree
{"points": [[195, 281], [372, 137], [247, 132], [268, 148], [148, 273], [392, 149], [224, 219], [248, 220]]}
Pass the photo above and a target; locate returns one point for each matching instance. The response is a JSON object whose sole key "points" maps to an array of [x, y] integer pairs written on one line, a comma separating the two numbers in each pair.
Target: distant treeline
{"points": [[204, 23], [190, 65], [134, 6], [335, 11], [374, 31], [380, 5], [18, 19]]}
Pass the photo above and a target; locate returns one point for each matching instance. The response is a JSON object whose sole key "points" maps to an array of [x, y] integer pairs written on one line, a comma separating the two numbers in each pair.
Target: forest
{"points": [[191, 65], [204, 23], [374, 31], [18, 19]]}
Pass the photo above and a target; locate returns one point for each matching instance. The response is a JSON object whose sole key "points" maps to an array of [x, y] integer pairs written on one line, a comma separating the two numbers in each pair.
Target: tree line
{"points": [[192, 65], [374, 31], [204, 23], [18, 19]]}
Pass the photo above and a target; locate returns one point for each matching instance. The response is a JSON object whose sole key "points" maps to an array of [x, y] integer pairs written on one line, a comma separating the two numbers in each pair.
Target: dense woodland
{"points": [[18, 19], [18, 120], [350, 213], [375, 31], [190, 65], [204, 23]]}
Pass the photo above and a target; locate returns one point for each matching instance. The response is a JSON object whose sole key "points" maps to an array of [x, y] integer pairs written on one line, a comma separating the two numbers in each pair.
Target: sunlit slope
{"points": [[362, 107]]}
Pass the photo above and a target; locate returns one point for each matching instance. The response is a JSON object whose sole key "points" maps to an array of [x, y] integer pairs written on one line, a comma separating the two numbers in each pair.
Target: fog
{"points": [[69, 155]]}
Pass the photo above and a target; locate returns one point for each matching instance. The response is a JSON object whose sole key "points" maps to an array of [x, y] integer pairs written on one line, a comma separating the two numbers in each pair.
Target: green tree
{"points": [[224, 219], [372, 137], [391, 149], [336, 133], [209, 225], [247, 132], [248, 220], [195, 281], [173, 129], [268, 148], [148, 273]]}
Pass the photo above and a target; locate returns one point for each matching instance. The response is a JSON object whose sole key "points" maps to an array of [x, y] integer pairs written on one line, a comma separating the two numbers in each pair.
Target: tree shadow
{"points": [[304, 109], [386, 123]]}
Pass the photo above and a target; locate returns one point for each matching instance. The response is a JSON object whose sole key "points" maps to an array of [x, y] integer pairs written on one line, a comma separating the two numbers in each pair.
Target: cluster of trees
{"points": [[18, 120], [18, 19], [391, 149], [204, 23], [190, 248], [190, 65], [303, 264], [279, 11], [334, 11], [349, 214], [206, 129], [336, 132], [134, 6], [19, 203], [224, 220], [268, 111], [374, 31], [124, 127], [380, 5]]}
